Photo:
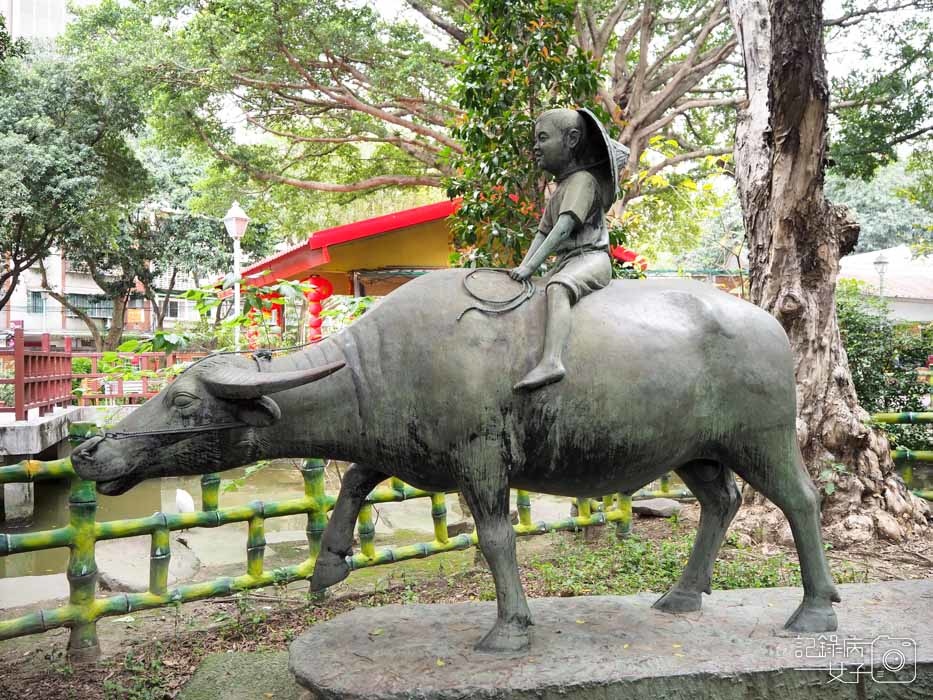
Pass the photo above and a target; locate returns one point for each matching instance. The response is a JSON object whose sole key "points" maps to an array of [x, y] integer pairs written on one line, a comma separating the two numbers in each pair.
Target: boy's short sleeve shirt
{"points": [[578, 195]]}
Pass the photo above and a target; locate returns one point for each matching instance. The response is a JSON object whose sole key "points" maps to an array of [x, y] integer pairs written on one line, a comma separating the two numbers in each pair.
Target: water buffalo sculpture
{"points": [[665, 375]]}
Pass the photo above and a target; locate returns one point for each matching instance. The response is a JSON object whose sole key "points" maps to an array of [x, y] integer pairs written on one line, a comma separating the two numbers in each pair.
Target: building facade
{"points": [[33, 307]]}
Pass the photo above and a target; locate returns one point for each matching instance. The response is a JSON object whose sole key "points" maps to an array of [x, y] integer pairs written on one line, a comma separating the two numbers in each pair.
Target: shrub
{"points": [[884, 357]]}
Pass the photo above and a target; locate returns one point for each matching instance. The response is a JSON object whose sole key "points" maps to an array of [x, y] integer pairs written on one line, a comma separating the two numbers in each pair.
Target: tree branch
{"points": [[458, 34], [686, 106], [360, 186], [682, 157], [856, 16]]}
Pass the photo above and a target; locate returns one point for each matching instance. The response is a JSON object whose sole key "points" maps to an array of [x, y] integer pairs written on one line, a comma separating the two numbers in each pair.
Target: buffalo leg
{"points": [[715, 489], [485, 486], [786, 483], [337, 543]]}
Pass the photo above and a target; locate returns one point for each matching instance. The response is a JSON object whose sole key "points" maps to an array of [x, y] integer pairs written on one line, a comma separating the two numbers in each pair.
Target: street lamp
{"points": [[881, 265], [236, 222]]}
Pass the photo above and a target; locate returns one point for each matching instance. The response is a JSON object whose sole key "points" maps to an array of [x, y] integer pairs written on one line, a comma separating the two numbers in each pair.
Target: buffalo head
{"points": [[214, 416]]}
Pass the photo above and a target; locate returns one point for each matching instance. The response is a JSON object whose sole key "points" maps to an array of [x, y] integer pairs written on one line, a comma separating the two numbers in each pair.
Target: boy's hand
{"points": [[520, 273]]}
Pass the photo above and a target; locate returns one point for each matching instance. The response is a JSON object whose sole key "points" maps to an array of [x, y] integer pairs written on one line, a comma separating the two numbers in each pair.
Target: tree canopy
{"points": [[886, 215], [64, 159], [333, 99]]}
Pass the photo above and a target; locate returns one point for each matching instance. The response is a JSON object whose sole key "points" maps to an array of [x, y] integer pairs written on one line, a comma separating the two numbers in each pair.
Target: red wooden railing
{"points": [[42, 378], [102, 387]]}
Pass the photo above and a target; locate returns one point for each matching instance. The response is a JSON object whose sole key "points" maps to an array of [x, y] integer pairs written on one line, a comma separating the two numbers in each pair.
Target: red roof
{"points": [[313, 252]]}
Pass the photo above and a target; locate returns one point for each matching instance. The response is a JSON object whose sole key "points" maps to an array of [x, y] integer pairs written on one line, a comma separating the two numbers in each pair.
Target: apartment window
{"points": [[173, 309], [35, 303], [93, 305]]}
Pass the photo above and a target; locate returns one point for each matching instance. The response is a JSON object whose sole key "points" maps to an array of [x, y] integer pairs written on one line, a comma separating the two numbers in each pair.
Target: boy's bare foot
{"points": [[545, 373]]}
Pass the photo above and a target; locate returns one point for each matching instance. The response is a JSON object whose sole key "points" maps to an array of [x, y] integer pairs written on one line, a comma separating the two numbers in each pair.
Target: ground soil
{"points": [[151, 654]]}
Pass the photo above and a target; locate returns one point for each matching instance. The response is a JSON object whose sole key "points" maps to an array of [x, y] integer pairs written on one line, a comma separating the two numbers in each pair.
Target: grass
{"points": [[142, 679], [608, 567]]}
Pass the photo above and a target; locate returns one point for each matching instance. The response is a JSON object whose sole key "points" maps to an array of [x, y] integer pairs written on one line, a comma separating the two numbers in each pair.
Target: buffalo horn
{"points": [[239, 383]]}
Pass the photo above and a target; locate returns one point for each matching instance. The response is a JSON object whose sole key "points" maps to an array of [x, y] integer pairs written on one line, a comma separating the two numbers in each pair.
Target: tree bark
{"points": [[796, 238], [118, 322], [160, 308]]}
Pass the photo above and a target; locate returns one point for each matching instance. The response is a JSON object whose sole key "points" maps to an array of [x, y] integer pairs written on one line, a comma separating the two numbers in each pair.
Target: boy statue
{"points": [[573, 146]]}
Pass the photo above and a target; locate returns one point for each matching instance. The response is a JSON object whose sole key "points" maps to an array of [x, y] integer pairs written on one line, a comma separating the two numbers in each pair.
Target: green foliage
{"points": [[888, 96], [10, 48], [230, 485], [722, 241], [636, 564], [920, 194], [518, 61], [885, 218], [828, 476], [632, 565], [64, 159], [161, 341], [256, 300], [883, 358], [673, 209], [344, 310], [332, 92]]}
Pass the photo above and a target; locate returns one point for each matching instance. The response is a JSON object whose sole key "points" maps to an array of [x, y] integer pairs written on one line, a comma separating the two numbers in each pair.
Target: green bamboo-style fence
{"points": [[84, 609], [82, 532]]}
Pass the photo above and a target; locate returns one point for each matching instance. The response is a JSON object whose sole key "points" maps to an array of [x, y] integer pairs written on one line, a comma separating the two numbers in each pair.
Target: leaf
{"points": [[440, 662]]}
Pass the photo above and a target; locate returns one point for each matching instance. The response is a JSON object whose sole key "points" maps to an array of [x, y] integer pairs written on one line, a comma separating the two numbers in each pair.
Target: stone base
{"points": [[618, 647]]}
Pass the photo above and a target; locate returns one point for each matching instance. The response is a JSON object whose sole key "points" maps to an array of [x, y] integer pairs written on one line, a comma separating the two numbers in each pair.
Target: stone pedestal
{"points": [[618, 647]]}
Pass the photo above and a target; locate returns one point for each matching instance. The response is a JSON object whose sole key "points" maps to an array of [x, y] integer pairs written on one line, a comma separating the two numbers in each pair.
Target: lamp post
{"points": [[236, 222], [881, 266]]}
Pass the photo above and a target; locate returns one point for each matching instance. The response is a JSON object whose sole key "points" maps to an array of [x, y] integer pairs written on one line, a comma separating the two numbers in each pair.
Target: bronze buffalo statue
{"points": [[662, 375]]}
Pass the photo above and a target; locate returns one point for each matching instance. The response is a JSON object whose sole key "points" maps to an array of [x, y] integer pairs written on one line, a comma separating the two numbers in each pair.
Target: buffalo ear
{"points": [[259, 413]]}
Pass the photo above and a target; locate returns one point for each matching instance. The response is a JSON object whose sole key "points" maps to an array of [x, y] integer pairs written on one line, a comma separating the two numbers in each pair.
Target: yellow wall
{"points": [[424, 245]]}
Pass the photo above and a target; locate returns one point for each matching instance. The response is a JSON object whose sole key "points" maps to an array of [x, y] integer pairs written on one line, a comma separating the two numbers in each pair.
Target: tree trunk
{"points": [[796, 238], [115, 333]]}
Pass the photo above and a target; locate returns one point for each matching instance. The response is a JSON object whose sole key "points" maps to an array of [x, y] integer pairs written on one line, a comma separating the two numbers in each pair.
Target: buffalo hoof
{"points": [[812, 617], [505, 638], [677, 600], [328, 570]]}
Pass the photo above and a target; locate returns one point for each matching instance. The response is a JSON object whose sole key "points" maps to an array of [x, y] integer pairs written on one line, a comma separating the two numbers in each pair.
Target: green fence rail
{"points": [[84, 609], [904, 456], [82, 532]]}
